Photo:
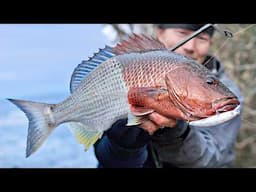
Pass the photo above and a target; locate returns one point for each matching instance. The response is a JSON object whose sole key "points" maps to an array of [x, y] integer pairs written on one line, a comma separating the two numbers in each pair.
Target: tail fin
{"points": [[41, 122]]}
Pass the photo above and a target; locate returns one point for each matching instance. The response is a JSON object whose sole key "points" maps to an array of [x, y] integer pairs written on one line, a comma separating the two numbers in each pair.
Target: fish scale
{"points": [[119, 73], [105, 105], [147, 69]]}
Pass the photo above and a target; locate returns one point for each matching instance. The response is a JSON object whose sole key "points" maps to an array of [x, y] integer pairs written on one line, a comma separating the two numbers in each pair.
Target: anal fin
{"points": [[84, 134]]}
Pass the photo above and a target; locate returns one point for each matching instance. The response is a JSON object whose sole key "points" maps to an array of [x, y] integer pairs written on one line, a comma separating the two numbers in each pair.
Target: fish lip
{"points": [[225, 104]]}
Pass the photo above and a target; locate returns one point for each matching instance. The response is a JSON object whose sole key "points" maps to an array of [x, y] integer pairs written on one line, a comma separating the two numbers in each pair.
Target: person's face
{"points": [[196, 48]]}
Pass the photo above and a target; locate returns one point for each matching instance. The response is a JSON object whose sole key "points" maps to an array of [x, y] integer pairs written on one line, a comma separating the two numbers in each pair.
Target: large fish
{"points": [[139, 72]]}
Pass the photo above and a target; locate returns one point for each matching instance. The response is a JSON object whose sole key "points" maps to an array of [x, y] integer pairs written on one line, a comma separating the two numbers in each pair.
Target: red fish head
{"points": [[198, 93]]}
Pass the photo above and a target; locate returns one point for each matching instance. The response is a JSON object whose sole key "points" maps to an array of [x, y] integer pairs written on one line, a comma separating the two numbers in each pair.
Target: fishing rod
{"points": [[199, 31]]}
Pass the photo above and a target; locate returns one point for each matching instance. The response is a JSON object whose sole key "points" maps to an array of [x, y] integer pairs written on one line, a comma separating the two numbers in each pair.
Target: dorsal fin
{"points": [[84, 68], [138, 43]]}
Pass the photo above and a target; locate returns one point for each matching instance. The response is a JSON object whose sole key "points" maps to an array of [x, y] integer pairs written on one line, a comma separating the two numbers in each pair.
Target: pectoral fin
{"points": [[84, 134], [140, 111], [137, 115], [134, 120]]}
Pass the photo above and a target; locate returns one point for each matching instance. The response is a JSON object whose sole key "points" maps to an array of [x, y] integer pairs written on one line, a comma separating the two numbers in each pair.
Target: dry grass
{"points": [[238, 56]]}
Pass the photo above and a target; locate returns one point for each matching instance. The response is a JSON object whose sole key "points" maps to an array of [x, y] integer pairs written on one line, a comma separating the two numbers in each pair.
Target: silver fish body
{"points": [[98, 101], [101, 98]]}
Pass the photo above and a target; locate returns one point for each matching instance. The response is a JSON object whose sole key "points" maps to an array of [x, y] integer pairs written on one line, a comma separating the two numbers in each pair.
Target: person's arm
{"points": [[122, 146]]}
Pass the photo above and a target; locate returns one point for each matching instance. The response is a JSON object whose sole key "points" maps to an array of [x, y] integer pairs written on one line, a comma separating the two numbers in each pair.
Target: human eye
{"points": [[181, 33], [203, 38]]}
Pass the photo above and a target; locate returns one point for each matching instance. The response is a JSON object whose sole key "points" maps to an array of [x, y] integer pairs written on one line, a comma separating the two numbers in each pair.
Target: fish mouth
{"points": [[225, 104]]}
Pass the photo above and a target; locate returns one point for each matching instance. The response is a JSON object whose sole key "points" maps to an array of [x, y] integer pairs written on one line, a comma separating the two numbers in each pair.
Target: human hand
{"points": [[127, 136], [155, 121]]}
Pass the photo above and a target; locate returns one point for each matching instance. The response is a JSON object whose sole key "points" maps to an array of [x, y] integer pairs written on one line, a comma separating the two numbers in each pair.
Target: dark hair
{"points": [[192, 27]]}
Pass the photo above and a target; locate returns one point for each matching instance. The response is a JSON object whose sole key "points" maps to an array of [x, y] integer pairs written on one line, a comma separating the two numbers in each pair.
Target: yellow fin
{"points": [[84, 135]]}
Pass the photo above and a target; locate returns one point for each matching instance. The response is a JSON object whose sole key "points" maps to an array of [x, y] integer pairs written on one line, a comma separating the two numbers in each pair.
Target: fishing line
{"points": [[237, 34]]}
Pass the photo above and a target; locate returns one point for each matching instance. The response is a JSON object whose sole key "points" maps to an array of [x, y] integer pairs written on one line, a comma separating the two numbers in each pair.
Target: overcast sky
{"points": [[40, 58]]}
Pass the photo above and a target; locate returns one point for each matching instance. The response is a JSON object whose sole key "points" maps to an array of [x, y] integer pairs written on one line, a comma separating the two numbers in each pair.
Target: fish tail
{"points": [[41, 122]]}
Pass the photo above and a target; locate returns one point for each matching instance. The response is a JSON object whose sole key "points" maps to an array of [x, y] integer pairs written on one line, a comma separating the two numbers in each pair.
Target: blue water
{"points": [[36, 62]]}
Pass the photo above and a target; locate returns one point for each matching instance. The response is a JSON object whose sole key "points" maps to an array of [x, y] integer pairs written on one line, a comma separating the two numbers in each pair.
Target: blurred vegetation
{"points": [[239, 58]]}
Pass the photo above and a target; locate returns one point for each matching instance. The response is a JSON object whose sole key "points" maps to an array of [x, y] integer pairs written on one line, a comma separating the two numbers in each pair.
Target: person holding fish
{"points": [[167, 140], [141, 104]]}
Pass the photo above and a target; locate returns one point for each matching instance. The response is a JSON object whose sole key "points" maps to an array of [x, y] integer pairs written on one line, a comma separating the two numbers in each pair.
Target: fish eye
{"points": [[211, 80]]}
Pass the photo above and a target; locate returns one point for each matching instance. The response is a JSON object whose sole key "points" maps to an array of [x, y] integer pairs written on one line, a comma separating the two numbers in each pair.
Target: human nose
{"points": [[189, 47]]}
